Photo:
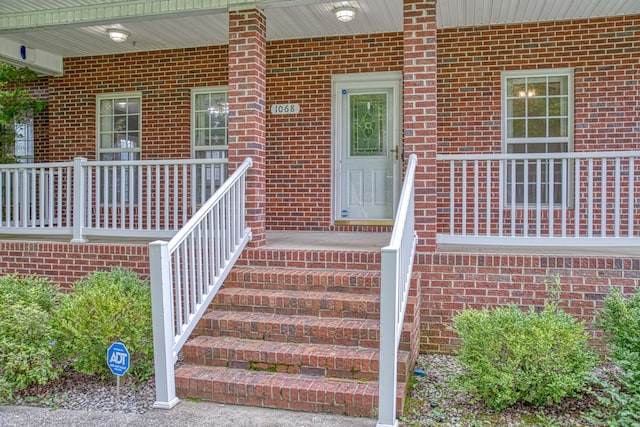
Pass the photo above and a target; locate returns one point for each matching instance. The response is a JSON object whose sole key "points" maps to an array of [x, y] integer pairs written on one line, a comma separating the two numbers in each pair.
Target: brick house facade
{"points": [[452, 82]]}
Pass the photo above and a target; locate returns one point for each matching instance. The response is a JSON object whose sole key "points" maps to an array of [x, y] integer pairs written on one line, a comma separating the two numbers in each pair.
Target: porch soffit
{"points": [[72, 28]]}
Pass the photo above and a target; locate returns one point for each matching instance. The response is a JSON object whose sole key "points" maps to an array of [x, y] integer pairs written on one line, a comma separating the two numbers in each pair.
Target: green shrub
{"points": [[512, 355], [26, 334], [620, 398], [104, 308]]}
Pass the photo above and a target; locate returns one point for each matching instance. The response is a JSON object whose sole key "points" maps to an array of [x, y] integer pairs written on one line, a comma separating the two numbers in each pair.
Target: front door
{"points": [[367, 147]]}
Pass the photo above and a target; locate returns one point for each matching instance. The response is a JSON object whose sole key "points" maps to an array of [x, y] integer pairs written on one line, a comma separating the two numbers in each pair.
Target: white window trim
{"points": [[569, 139], [114, 95], [545, 72], [194, 93]]}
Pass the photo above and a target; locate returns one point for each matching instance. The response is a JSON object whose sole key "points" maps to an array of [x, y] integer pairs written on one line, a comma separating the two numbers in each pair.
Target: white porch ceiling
{"points": [[72, 28]]}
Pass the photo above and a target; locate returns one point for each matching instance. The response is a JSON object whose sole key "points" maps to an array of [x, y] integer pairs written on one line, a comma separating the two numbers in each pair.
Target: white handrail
{"points": [[395, 282], [188, 271]]}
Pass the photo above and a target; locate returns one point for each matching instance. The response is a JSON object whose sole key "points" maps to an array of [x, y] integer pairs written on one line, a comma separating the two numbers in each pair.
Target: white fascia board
{"points": [[38, 60], [107, 12]]}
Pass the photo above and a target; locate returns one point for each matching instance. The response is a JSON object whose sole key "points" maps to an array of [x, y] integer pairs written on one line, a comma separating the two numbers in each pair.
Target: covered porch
{"points": [[485, 203]]}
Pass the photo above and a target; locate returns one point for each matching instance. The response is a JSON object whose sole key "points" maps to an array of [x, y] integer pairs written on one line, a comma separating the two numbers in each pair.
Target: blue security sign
{"points": [[118, 358]]}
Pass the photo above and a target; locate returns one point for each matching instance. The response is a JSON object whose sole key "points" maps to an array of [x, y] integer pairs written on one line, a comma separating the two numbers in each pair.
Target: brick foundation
{"points": [[66, 263], [452, 282]]}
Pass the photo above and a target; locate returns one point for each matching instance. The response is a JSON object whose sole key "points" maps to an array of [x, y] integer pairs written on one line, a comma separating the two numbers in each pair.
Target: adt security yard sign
{"points": [[118, 358]]}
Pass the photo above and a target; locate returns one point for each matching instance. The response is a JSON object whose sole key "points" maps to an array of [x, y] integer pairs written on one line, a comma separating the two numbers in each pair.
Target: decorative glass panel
{"points": [[368, 116]]}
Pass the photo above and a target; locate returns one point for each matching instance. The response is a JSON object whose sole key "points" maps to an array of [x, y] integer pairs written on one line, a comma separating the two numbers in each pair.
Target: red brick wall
{"points": [[454, 282], [66, 263], [299, 146], [605, 55], [165, 79]]}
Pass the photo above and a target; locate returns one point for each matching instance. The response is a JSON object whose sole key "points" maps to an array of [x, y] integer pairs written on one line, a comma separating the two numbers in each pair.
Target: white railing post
{"points": [[395, 281], [79, 200], [388, 350], [162, 318]]}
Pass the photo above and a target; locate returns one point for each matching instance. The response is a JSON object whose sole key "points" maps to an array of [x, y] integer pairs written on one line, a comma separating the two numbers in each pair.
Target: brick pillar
{"points": [[420, 112], [247, 109]]}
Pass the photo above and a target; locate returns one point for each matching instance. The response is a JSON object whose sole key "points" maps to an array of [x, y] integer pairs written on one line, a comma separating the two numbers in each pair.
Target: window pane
{"points": [[133, 123], [516, 128], [120, 106], [516, 107], [516, 87], [558, 127], [107, 140], [558, 107], [201, 120], [558, 85], [106, 107], [218, 137], [537, 107], [133, 107], [536, 128], [537, 86], [516, 148]]}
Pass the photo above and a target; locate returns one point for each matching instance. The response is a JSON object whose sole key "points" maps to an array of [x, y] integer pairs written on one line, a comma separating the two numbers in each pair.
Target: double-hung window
{"points": [[209, 138], [119, 132], [24, 139], [537, 119]]}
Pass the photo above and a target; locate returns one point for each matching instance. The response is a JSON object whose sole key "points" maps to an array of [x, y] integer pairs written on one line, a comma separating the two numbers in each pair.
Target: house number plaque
{"points": [[285, 109]]}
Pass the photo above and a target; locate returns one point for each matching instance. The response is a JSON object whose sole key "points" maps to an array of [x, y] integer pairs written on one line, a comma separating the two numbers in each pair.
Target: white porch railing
{"points": [[397, 268], [559, 199], [36, 198], [82, 199], [187, 272]]}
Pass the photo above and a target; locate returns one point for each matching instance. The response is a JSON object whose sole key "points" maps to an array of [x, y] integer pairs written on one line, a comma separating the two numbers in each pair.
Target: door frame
{"points": [[382, 80]]}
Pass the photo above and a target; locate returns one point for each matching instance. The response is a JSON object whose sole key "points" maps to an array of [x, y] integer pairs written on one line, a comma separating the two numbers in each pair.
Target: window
{"points": [[24, 141], [119, 126], [537, 118], [210, 109]]}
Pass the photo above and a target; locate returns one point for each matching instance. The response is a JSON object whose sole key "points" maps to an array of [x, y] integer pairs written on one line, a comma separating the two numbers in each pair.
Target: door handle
{"points": [[396, 150]]}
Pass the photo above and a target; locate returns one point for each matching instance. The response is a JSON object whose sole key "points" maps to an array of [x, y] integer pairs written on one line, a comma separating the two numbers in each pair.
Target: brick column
{"points": [[247, 109], [420, 112]]}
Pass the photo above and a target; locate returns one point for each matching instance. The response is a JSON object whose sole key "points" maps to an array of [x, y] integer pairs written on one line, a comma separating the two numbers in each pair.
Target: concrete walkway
{"points": [[185, 414]]}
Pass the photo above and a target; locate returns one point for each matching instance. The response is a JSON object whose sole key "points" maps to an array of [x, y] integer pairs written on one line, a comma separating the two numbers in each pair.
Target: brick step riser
{"points": [[368, 337], [324, 365], [301, 306], [309, 281], [352, 398], [309, 259]]}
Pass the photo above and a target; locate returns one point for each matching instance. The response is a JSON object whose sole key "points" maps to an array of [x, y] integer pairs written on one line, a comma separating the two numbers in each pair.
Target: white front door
{"points": [[367, 147]]}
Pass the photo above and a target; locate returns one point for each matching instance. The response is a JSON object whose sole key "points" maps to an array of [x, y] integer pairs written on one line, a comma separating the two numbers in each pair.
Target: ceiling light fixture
{"points": [[345, 13], [118, 35]]}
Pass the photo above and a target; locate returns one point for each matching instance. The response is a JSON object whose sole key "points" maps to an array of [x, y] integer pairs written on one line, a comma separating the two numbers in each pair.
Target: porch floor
{"points": [[315, 240], [361, 241]]}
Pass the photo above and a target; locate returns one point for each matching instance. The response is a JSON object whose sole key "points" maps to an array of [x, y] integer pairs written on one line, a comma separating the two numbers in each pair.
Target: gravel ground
{"points": [[82, 392], [432, 402]]}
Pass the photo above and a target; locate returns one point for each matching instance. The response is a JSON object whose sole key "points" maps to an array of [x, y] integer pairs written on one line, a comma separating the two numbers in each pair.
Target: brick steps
{"points": [[279, 390], [359, 363], [296, 330], [285, 328], [305, 303], [311, 280], [321, 304]]}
